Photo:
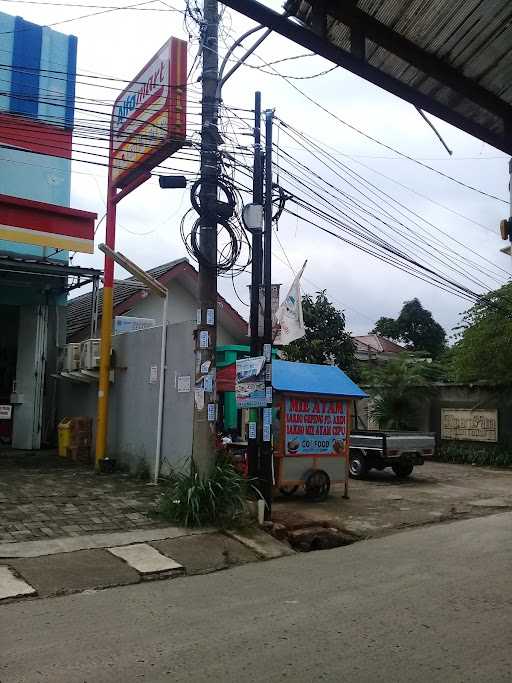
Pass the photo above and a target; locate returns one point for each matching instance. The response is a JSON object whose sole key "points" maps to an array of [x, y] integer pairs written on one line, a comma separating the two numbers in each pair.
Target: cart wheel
{"points": [[317, 485], [288, 490]]}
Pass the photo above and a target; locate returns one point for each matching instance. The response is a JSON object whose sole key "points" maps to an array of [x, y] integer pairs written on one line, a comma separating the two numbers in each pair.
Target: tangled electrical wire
{"points": [[234, 248]]}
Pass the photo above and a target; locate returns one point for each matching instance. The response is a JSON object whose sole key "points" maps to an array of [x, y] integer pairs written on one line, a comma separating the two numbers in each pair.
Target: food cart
{"points": [[311, 427]]}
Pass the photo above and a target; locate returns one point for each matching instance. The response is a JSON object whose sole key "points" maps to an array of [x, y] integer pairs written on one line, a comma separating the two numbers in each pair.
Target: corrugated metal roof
{"points": [[457, 53], [308, 378]]}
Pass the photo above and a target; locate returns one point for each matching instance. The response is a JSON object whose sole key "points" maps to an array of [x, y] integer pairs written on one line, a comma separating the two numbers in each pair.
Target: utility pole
{"points": [[266, 468], [205, 394], [256, 280]]}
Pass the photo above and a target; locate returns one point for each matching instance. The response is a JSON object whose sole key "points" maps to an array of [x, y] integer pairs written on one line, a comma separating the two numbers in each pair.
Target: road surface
{"points": [[431, 604]]}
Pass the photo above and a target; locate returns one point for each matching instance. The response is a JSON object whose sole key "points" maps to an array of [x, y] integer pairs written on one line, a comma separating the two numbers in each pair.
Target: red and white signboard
{"points": [[149, 117]]}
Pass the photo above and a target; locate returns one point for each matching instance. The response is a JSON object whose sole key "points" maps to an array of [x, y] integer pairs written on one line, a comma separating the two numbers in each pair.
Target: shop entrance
{"points": [[9, 324]]}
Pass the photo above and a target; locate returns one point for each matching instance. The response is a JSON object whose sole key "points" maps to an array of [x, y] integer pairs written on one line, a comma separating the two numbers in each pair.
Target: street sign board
{"points": [[149, 116], [250, 382]]}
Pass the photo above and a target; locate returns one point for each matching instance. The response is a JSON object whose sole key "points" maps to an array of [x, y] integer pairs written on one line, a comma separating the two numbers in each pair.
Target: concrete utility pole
{"points": [[256, 280], [205, 394], [266, 468]]}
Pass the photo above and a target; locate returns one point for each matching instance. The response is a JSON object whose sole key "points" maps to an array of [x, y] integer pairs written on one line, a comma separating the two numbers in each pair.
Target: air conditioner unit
{"points": [[71, 357], [90, 354]]}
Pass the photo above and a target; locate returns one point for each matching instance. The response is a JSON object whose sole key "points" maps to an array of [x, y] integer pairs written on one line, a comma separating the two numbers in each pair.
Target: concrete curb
{"points": [[54, 546], [265, 545]]}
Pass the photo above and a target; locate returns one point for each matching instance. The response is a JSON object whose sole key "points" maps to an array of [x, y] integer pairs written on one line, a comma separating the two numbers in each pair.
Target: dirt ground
{"points": [[381, 503]]}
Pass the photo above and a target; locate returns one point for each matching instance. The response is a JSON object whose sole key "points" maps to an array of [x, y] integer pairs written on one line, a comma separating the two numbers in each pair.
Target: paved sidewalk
{"points": [[165, 554], [44, 496]]}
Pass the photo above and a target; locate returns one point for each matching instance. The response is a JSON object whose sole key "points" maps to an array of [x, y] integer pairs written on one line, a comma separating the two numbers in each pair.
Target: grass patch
{"points": [[469, 454], [220, 499]]}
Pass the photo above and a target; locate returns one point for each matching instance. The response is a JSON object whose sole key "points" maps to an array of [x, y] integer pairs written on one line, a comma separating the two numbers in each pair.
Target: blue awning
{"points": [[306, 378]]}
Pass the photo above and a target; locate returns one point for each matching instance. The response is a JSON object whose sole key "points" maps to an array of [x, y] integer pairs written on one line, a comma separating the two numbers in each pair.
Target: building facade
{"points": [[38, 227]]}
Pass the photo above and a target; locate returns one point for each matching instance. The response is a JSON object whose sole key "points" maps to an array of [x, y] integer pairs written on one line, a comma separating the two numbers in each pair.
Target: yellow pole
{"points": [[106, 330]]}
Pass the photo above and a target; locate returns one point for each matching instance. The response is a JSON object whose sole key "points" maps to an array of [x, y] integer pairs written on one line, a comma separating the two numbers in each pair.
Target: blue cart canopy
{"points": [[307, 378]]}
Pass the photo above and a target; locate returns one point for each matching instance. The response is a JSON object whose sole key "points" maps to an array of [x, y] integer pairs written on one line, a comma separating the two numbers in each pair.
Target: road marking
{"points": [[11, 586], [145, 559]]}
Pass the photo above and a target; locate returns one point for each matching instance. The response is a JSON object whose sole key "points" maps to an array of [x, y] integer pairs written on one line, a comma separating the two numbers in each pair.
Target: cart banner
{"points": [[250, 383], [315, 426]]}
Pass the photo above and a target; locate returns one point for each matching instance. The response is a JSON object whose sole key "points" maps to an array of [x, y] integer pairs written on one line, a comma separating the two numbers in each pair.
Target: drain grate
{"points": [[312, 536]]}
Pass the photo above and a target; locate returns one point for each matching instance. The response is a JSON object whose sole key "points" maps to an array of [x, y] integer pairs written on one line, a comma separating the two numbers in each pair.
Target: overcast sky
{"points": [[119, 43]]}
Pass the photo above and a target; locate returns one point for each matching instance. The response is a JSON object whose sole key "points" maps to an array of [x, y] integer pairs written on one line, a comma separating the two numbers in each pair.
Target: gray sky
{"points": [[119, 43]]}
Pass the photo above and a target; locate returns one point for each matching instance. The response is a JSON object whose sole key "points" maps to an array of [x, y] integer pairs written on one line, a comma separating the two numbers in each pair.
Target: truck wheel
{"points": [[317, 486], [358, 466], [402, 469]]}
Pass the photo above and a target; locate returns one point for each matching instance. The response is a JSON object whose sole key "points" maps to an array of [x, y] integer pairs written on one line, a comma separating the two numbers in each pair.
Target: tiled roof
{"points": [[79, 308], [378, 344]]}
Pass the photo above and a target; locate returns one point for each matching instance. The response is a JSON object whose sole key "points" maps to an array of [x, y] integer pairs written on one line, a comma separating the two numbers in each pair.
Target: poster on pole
{"points": [[315, 426], [250, 383], [149, 118]]}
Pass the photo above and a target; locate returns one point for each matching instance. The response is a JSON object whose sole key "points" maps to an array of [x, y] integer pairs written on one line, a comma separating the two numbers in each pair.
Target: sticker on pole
{"points": [[212, 412], [250, 382], [204, 339]]}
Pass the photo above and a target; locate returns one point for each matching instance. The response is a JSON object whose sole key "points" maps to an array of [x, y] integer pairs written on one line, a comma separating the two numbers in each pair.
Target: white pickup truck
{"points": [[372, 449]]}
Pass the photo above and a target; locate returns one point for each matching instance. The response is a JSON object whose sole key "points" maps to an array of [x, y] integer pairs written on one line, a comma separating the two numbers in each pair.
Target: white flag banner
{"points": [[289, 314]]}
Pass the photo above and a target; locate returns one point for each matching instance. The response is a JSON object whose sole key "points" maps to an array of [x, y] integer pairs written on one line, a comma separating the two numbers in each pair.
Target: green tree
{"points": [[398, 388], [416, 327], [326, 341], [387, 327], [482, 351]]}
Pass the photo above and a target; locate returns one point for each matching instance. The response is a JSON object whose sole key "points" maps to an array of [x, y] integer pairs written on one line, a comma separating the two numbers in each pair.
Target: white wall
{"points": [[182, 307]]}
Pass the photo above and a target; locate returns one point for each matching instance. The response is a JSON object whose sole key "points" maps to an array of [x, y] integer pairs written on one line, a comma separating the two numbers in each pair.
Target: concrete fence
{"points": [[133, 405], [472, 413]]}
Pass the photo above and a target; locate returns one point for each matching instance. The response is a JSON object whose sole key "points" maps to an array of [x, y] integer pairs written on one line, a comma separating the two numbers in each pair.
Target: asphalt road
{"points": [[431, 604]]}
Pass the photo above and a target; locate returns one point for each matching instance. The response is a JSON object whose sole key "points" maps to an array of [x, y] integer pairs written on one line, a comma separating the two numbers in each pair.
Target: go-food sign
{"points": [[149, 117], [315, 426]]}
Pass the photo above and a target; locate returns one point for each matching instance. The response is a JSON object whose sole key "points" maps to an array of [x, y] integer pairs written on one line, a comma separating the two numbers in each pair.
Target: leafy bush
{"points": [[469, 454], [220, 499]]}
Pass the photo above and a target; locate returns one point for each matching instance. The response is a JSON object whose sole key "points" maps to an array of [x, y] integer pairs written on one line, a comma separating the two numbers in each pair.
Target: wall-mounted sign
{"points": [[47, 225], [149, 116], [5, 412], [128, 323], [250, 382], [315, 426], [463, 424]]}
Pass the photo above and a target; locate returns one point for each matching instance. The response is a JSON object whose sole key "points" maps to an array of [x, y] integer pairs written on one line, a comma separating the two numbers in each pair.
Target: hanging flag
{"points": [[289, 314]]}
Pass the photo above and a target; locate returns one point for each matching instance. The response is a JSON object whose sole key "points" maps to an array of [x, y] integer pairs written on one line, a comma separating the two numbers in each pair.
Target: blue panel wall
{"points": [[26, 60], [39, 73], [6, 44]]}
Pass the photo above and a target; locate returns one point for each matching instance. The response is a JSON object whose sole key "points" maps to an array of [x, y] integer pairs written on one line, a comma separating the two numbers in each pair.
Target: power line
{"points": [[309, 144], [309, 172], [83, 16], [380, 142]]}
